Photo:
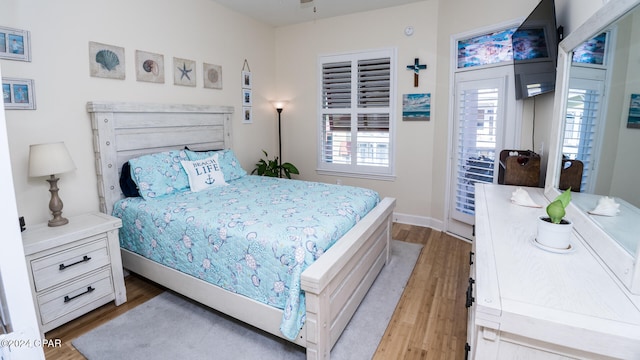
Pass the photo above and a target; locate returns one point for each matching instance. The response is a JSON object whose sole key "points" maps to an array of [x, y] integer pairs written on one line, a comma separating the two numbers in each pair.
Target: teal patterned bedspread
{"points": [[253, 237]]}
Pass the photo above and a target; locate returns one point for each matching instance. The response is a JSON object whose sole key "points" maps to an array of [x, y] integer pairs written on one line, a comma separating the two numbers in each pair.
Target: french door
{"points": [[582, 122], [483, 125]]}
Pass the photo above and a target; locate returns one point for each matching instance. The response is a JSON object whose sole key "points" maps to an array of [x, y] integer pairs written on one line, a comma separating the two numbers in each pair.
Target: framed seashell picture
{"points": [[149, 67], [106, 61], [184, 72], [212, 76]]}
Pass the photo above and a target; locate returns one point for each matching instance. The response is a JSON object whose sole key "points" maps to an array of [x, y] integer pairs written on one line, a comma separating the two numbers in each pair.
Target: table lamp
{"points": [[51, 159]]}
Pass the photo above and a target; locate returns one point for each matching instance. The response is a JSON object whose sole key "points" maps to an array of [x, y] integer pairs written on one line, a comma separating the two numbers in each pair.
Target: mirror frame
{"points": [[624, 265]]}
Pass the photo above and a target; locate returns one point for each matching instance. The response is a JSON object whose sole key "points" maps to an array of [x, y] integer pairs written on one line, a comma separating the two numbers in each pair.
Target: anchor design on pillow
{"points": [[209, 180]]}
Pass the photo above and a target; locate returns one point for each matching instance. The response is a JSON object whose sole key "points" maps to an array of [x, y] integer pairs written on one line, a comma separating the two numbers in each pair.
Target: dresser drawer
{"points": [[62, 301], [64, 265]]}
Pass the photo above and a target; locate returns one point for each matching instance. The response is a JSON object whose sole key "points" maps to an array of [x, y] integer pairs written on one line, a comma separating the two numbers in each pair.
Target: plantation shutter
{"points": [[478, 116], [356, 114], [581, 124]]}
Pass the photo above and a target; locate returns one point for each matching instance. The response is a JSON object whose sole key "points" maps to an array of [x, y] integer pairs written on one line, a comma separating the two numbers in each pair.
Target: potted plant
{"points": [[273, 168], [554, 230]]}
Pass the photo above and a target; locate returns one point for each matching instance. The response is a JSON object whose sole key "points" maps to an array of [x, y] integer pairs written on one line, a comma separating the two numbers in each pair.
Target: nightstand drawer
{"points": [[62, 301], [64, 265]]}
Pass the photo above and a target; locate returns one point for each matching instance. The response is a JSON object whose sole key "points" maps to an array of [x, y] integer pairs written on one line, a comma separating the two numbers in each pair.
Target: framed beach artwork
{"points": [[416, 107], [247, 116], [184, 72], [149, 67], [212, 76], [18, 94], [246, 79], [633, 121], [15, 44], [106, 61], [246, 97]]}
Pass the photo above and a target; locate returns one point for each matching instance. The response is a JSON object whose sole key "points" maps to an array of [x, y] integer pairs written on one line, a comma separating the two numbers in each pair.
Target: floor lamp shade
{"points": [[48, 160]]}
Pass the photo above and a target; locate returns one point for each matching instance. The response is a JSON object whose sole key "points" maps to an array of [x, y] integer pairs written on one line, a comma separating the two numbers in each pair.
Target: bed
{"points": [[333, 285]]}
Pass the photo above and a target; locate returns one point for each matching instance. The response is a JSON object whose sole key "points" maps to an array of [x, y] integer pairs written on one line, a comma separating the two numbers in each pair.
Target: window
{"points": [[357, 110]]}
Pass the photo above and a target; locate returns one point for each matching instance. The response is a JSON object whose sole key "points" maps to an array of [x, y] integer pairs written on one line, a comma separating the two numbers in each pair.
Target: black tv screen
{"points": [[535, 51]]}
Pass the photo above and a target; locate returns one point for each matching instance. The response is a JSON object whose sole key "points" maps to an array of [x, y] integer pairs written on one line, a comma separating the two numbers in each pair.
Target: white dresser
{"points": [[74, 268], [525, 302]]}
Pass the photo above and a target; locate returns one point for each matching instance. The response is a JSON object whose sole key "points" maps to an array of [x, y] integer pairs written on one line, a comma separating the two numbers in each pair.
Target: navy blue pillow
{"points": [[127, 185]]}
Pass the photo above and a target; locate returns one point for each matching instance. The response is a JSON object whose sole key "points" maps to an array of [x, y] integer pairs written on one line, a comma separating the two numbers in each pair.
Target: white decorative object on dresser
{"points": [[74, 268], [529, 302]]}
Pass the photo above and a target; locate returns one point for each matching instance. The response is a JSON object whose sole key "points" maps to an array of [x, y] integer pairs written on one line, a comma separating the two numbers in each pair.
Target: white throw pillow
{"points": [[204, 173]]}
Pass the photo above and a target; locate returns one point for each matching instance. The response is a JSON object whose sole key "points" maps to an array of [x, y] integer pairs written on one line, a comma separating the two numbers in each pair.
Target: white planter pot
{"points": [[552, 235]]}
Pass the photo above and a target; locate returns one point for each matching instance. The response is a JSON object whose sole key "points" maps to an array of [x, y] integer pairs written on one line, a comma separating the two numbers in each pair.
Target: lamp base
{"points": [[55, 204], [58, 221]]}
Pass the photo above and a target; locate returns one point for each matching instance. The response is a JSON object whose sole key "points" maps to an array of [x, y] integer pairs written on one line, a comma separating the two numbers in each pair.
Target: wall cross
{"points": [[416, 67]]}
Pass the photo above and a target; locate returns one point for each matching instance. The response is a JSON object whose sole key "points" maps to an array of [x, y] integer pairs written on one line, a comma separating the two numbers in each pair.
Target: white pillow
{"points": [[204, 173]]}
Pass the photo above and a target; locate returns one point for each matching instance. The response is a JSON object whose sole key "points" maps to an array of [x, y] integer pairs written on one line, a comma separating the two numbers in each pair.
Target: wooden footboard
{"points": [[338, 281]]}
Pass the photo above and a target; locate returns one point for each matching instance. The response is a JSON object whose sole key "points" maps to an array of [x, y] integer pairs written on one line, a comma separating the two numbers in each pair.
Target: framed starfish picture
{"points": [[184, 72]]}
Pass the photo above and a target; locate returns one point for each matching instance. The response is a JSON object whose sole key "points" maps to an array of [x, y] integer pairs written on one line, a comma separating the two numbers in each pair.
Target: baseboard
{"points": [[418, 221]]}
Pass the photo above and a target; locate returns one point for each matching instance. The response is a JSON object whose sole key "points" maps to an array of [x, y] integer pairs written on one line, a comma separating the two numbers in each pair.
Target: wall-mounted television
{"points": [[535, 51]]}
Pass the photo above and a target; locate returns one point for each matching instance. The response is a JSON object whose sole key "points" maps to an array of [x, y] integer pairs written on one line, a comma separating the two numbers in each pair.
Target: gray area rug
{"points": [[170, 326]]}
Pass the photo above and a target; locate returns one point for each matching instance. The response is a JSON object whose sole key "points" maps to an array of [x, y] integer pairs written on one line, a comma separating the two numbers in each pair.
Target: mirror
{"points": [[598, 83]]}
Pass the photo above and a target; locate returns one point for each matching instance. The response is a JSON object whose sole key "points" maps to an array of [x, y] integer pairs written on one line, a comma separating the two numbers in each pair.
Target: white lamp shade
{"points": [[49, 159]]}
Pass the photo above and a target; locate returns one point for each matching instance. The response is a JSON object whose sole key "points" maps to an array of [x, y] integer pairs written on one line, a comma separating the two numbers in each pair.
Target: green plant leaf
{"points": [[565, 197], [556, 212], [272, 168]]}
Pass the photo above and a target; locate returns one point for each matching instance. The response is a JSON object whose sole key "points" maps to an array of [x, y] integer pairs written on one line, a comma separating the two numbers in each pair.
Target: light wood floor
{"points": [[429, 321]]}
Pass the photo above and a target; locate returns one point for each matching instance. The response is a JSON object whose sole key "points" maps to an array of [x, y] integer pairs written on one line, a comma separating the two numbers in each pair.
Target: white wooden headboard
{"points": [[122, 131]]}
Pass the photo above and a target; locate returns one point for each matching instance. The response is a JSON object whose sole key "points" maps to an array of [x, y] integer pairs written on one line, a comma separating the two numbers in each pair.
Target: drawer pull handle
{"points": [[67, 298], [470, 298], [84, 259]]}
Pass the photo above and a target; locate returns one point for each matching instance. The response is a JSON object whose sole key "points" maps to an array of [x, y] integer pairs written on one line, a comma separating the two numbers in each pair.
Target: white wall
{"points": [[298, 48], [200, 30], [626, 173]]}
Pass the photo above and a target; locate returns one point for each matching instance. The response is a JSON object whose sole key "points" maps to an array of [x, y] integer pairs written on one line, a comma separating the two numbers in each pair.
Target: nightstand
{"points": [[74, 268]]}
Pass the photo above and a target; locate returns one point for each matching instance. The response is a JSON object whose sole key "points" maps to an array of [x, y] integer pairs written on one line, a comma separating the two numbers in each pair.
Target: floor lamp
{"points": [[279, 105]]}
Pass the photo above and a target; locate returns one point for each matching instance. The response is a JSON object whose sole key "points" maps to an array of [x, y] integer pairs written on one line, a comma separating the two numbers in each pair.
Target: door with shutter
{"points": [[483, 113], [582, 121]]}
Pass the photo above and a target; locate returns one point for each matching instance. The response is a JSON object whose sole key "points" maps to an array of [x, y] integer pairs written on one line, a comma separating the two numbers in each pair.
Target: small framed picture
{"points": [[416, 107], [106, 61], [247, 116], [184, 72], [246, 97], [633, 121], [15, 44], [212, 76], [18, 94], [246, 80], [149, 67]]}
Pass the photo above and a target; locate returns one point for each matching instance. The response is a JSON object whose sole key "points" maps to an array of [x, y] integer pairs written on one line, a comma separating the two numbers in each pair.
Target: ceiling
{"points": [[287, 12]]}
